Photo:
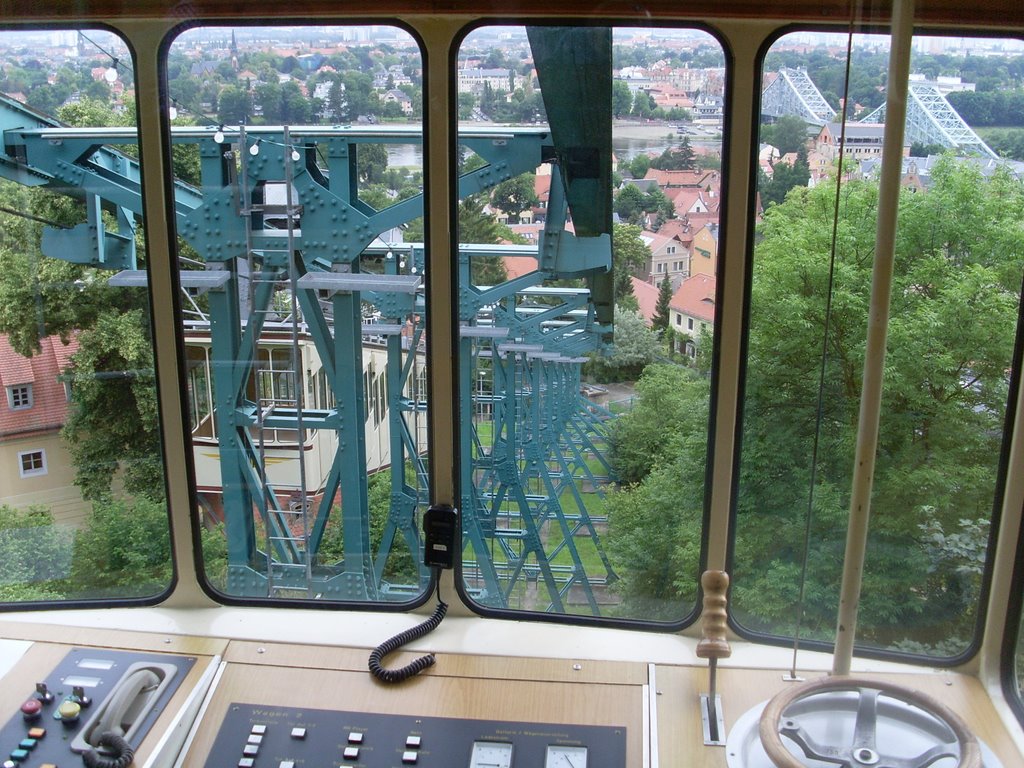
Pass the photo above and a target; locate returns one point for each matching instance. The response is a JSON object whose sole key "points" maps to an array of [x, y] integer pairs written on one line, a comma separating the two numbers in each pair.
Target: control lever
{"points": [[713, 646]]}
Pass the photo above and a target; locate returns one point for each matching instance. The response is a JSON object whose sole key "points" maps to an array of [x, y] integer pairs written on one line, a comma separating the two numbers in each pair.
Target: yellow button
{"points": [[69, 710]]}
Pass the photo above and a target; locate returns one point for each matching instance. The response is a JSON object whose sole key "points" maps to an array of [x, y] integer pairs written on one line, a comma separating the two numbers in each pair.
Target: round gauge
{"points": [[566, 757], [491, 754]]}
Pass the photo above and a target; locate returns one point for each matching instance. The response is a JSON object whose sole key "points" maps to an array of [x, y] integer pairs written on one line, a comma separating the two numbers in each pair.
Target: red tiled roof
{"points": [[647, 297], [49, 400], [696, 297]]}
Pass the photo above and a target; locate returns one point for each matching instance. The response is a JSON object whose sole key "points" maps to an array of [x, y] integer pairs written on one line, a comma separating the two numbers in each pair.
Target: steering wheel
{"points": [[864, 752]]}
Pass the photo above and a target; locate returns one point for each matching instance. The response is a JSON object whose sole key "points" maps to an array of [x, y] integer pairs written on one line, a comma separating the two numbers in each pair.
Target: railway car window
{"points": [[82, 501], [299, 191], [589, 197], [952, 330]]}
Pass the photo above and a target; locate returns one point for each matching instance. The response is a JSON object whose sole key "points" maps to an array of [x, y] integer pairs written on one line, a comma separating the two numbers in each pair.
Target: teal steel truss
{"points": [[292, 259]]}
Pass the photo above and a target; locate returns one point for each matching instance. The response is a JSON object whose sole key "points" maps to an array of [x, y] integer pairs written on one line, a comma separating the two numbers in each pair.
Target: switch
{"points": [[246, 762], [286, 764], [19, 754], [36, 733], [410, 757], [413, 741], [298, 733], [43, 693], [351, 753], [259, 730], [255, 739], [27, 744], [78, 694], [68, 711], [30, 709], [355, 738], [251, 750]]}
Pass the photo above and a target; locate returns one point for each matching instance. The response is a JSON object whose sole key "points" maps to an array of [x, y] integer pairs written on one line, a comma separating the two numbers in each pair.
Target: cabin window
{"points": [[308, 300], [76, 342], [953, 325], [557, 351]]}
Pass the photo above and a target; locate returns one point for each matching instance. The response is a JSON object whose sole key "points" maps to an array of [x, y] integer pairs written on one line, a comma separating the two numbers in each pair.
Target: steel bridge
{"points": [[794, 93], [285, 240], [930, 118]]}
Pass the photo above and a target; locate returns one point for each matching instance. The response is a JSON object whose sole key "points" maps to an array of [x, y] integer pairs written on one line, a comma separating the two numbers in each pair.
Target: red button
{"points": [[31, 708]]}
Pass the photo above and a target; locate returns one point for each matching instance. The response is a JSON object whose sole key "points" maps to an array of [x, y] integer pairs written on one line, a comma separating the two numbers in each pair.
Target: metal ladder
{"points": [[277, 391]]}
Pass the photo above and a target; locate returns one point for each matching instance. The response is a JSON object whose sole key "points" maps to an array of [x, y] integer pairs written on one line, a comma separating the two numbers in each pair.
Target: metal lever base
{"points": [[712, 721]]}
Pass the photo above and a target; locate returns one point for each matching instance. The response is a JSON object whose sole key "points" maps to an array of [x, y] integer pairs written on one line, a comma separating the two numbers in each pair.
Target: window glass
{"points": [[82, 503], [584, 405], [299, 181], [952, 330]]}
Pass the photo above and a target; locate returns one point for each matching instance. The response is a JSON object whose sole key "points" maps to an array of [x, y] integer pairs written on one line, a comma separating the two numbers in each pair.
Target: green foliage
{"points": [[515, 196], [124, 551], [661, 310], [112, 421], [960, 256], [784, 178], [635, 346], [787, 134], [681, 158], [629, 256], [670, 403], [659, 453], [36, 555]]}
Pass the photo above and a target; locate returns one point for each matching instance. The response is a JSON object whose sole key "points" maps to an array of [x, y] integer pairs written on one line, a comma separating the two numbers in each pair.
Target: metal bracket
{"points": [[712, 721]]}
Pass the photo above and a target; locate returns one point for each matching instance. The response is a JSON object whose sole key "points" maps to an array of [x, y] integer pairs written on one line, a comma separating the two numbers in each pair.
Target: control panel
{"points": [[90, 693], [263, 736]]}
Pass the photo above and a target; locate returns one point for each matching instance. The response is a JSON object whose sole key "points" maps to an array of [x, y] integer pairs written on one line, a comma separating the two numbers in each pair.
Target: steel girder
{"points": [[793, 93], [334, 235]]}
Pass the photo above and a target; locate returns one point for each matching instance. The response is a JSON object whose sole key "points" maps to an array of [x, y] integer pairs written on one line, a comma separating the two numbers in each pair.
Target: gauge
{"points": [[566, 757], [491, 754]]}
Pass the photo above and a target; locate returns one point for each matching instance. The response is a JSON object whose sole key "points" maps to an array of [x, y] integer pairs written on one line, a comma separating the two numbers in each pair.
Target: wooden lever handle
{"points": [[713, 643]]}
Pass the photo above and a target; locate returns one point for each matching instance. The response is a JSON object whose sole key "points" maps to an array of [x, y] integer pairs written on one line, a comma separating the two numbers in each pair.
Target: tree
{"points": [[622, 98], [635, 346], [960, 258], [659, 451], [515, 196], [630, 203], [233, 105], [629, 255], [787, 134], [661, 309], [638, 165], [784, 178], [681, 158]]}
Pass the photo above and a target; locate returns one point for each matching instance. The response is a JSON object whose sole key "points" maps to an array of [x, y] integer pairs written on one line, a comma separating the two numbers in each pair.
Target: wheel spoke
{"points": [[867, 719]]}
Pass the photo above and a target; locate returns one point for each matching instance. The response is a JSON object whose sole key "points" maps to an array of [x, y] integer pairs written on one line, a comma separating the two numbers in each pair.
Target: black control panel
{"points": [[262, 736], [49, 730]]}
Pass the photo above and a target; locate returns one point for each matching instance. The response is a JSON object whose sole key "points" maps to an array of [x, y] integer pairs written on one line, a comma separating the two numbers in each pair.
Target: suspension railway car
{"points": [[264, 232]]}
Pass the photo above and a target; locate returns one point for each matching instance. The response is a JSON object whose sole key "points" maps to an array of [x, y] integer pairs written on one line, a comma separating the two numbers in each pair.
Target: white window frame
{"points": [[32, 472]]}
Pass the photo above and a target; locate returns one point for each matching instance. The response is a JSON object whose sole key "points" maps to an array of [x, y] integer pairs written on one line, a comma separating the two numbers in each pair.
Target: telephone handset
{"points": [[116, 720]]}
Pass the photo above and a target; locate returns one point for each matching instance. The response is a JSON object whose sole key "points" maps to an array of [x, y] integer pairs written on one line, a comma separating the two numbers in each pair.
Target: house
{"points": [[668, 257], [399, 97], [35, 465], [692, 311], [704, 250]]}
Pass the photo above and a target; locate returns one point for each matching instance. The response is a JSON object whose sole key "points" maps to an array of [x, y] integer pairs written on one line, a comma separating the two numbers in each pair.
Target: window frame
{"points": [[28, 472], [20, 397], [1002, 467]]}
